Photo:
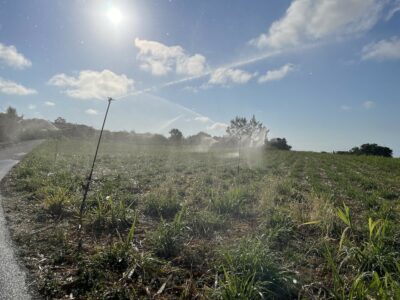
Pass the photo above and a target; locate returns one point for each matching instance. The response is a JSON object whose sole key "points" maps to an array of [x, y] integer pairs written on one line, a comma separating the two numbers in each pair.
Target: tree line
{"points": [[241, 132], [370, 150]]}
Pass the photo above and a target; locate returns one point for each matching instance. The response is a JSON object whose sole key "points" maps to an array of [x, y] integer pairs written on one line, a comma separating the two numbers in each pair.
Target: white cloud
{"points": [[12, 88], [393, 10], [202, 119], [277, 74], [382, 50], [32, 107], [345, 107], [10, 56], [93, 85], [91, 111], [368, 104], [218, 126], [160, 59], [312, 20], [226, 76], [49, 103]]}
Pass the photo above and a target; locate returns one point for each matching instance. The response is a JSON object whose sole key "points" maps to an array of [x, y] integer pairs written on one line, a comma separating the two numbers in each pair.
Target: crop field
{"points": [[172, 222]]}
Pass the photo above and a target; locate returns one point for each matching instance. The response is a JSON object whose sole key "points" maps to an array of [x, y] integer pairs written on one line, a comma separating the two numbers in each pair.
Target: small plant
{"points": [[240, 287], [376, 263], [168, 238], [56, 200], [109, 214], [204, 223], [279, 227], [232, 202], [345, 216], [253, 268], [162, 205]]}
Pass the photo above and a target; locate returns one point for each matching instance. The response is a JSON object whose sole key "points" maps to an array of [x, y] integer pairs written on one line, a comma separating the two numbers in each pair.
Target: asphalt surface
{"points": [[12, 277]]}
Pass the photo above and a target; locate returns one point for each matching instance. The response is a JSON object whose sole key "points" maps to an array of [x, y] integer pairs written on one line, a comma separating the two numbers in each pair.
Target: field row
{"points": [[175, 223]]}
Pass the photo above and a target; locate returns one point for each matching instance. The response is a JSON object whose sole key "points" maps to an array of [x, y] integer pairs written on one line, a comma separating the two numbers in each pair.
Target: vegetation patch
{"points": [[172, 222]]}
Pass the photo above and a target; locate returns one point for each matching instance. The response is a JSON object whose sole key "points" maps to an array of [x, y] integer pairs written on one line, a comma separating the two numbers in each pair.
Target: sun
{"points": [[114, 15]]}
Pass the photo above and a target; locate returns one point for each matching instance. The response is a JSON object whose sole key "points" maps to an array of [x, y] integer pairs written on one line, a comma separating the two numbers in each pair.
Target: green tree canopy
{"points": [[240, 128], [176, 135]]}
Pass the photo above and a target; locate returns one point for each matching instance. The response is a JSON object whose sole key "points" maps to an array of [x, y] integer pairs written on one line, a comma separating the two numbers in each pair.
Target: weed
{"points": [[279, 227], [376, 263], [109, 214], [253, 268], [56, 200], [167, 240], [162, 205], [204, 223], [232, 202]]}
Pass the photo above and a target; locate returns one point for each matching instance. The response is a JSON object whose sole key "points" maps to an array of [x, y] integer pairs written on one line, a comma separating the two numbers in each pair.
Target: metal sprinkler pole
{"points": [[89, 179]]}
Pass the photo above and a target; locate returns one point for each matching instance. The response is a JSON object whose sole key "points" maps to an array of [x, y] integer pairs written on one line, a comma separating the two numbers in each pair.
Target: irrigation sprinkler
{"points": [[89, 179]]}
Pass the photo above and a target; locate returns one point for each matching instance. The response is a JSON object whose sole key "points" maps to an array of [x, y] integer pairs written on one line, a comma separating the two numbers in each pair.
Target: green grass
{"points": [[172, 223]]}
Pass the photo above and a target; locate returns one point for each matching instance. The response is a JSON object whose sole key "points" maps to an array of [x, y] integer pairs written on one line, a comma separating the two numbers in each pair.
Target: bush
{"points": [[278, 143], [372, 149]]}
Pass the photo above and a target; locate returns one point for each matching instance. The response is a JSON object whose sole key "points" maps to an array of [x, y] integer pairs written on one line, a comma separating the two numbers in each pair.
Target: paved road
{"points": [[12, 278]]}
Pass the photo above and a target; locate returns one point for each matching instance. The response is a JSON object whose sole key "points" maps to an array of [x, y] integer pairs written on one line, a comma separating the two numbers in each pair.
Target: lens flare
{"points": [[114, 15]]}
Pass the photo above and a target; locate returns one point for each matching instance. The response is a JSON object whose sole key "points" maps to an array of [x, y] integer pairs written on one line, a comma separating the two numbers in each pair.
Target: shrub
{"points": [[372, 149], [278, 143]]}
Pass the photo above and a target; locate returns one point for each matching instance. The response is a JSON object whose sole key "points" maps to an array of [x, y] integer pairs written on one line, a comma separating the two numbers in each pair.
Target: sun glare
{"points": [[114, 15]]}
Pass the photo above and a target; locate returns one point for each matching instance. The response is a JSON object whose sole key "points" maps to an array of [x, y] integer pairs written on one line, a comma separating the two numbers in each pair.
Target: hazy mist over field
{"points": [[175, 149]]}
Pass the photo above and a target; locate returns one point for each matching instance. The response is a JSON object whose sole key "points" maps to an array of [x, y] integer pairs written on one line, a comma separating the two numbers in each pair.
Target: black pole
{"points": [[89, 179]]}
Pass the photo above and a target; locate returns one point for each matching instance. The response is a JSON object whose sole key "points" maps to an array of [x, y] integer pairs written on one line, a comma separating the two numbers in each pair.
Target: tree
{"points": [[176, 135], [372, 149], [198, 138], [278, 143], [247, 131], [9, 125], [60, 120]]}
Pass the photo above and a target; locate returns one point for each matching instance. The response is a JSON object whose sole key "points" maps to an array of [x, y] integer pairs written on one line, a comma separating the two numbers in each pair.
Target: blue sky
{"points": [[324, 74]]}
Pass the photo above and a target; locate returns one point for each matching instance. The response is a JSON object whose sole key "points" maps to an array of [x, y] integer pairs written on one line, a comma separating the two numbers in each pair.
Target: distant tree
{"points": [[159, 139], [12, 113], [278, 143], [197, 138], [176, 135], [60, 120], [240, 128], [372, 149], [9, 125]]}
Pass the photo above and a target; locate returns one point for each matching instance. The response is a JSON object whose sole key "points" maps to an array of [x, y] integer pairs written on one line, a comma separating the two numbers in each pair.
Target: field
{"points": [[170, 222]]}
